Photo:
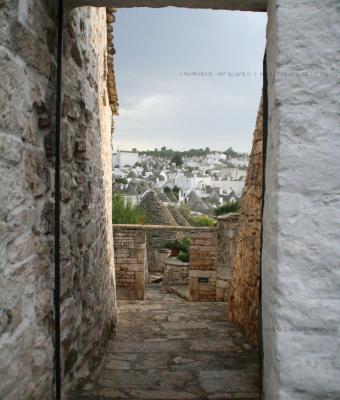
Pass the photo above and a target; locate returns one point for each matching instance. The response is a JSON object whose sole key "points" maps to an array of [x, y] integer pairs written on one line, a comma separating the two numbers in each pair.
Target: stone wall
{"points": [[88, 280], [27, 129], [130, 260], [203, 255], [301, 224], [244, 291], [176, 272], [27, 88], [227, 228], [203, 265]]}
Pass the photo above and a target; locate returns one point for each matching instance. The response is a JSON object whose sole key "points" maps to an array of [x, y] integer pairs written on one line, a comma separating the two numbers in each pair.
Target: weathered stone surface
{"points": [[88, 280], [26, 285], [170, 349], [130, 260], [227, 227], [11, 148], [301, 231], [203, 264], [244, 291], [176, 272], [244, 5], [27, 73]]}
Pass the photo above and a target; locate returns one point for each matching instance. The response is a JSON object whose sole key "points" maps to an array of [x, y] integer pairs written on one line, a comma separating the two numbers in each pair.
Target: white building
{"points": [[228, 186], [215, 158], [124, 158], [234, 173]]}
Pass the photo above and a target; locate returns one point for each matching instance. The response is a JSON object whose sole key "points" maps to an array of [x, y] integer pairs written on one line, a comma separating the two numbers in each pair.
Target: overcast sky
{"points": [[160, 105]]}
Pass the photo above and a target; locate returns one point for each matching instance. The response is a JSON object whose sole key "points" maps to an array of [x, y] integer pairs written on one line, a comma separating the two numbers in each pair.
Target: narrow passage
{"points": [[169, 349]]}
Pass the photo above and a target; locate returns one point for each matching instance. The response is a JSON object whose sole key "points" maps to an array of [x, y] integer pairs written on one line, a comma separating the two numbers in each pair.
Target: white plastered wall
{"points": [[301, 247]]}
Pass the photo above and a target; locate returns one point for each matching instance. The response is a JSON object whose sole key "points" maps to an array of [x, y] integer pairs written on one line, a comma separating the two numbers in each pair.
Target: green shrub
{"points": [[121, 180], [226, 208], [183, 256], [201, 220], [185, 243], [173, 245], [125, 212], [182, 247]]}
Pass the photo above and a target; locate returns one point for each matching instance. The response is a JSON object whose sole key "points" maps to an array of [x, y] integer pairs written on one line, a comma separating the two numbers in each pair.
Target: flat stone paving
{"points": [[169, 349]]}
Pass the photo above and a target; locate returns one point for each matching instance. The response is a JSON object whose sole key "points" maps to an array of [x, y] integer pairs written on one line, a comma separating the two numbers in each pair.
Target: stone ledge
{"points": [[241, 5], [123, 227], [231, 217]]}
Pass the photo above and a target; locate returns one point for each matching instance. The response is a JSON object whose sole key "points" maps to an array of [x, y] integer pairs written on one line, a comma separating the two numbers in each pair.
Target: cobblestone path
{"points": [[169, 349]]}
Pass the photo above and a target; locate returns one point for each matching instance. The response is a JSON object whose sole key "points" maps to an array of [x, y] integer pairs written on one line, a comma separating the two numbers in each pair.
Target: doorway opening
{"points": [[181, 194], [177, 199]]}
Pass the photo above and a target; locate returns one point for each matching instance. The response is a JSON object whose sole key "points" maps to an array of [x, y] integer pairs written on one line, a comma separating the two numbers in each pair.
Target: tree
{"points": [[122, 181], [167, 189], [177, 159], [230, 153], [176, 191]]}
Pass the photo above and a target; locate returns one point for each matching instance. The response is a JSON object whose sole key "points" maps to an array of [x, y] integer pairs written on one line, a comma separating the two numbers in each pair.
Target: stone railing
{"points": [[211, 252]]}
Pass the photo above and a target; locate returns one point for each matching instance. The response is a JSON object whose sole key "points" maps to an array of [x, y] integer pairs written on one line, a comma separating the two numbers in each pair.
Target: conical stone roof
{"points": [[196, 204], [156, 212], [181, 221]]}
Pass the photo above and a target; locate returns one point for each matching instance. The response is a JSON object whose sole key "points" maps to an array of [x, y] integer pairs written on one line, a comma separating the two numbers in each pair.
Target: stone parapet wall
{"points": [[203, 255], [211, 255], [176, 272], [227, 230], [203, 265], [130, 260], [156, 237], [244, 290]]}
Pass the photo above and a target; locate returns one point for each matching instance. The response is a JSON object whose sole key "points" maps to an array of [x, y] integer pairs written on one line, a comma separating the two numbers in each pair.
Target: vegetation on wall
{"points": [[228, 207], [201, 220], [184, 252], [195, 220], [124, 212], [179, 249]]}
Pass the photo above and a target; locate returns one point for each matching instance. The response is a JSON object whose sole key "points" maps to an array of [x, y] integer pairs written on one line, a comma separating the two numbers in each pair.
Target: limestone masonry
{"points": [[244, 291], [27, 129]]}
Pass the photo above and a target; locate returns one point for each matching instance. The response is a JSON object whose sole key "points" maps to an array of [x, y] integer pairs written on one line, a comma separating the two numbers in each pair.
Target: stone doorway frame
{"points": [[226, 5], [301, 228]]}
